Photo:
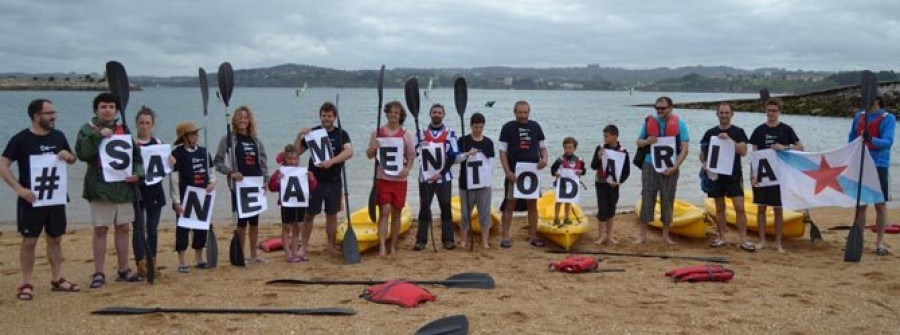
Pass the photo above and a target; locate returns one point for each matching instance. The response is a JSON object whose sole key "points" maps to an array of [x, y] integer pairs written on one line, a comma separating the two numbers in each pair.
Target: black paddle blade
{"points": [[412, 96], [477, 280], [460, 95], [118, 84], [814, 234], [212, 248], [226, 82], [350, 246], [204, 90], [451, 325], [854, 248], [764, 95], [869, 90], [373, 216], [235, 252]]}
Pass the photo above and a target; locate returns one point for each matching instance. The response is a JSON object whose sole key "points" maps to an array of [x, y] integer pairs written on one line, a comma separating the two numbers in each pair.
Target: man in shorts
{"points": [[521, 140], [39, 139], [328, 175]]}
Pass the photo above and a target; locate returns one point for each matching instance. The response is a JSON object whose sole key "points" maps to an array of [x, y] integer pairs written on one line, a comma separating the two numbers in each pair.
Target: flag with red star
{"points": [[831, 178]]}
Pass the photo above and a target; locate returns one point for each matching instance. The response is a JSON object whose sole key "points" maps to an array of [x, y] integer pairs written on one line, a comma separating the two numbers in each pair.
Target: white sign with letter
{"points": [[663, 153], [319, 146], [567, 190], [720, 156], [612, 162], [764, 166], [479, 171], [156, 162], [390, 154], [431, 159], [528, 184], [294, 184], [116, 157], [197, 205], [49, 180], [251, 200]]}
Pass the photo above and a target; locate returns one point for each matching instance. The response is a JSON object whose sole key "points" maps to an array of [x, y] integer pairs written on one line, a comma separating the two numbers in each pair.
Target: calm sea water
{"points": [[281, 114]]}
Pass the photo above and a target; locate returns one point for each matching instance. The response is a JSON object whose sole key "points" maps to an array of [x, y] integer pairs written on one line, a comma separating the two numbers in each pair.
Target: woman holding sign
{"points": [[249, 161], [395, 151], [114, 166], [191, 170], [772, 134], [153, 197]]}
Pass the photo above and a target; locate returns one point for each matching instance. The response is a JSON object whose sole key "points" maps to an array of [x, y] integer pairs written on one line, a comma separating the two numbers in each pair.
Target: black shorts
{"points": [[767, 196], [885, 180], [292, 214], [607, 198], [31, 221], [327, 193], [726, 188]]}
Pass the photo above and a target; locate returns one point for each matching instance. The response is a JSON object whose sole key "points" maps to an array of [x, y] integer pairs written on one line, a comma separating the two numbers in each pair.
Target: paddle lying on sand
{"points": [[460, 99], [350, 245], [451, 325], [372, 193], [295, 311], [212, 247], [226, 87], [117, 79], [854, 247], [714, 259], [411, 93], [462, 280], [814, 234]]}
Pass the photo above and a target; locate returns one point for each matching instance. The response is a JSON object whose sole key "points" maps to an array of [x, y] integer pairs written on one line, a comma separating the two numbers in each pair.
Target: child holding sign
{"points": [[477, 152], [290, 216], [611, 172], [191, 169], [567, 161]]}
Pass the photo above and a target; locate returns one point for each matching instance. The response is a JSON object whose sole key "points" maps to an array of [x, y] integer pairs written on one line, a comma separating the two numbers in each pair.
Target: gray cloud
{"points": [[174, 37]]}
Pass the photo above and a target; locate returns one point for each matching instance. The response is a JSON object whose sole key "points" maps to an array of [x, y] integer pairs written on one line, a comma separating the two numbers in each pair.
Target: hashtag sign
{"points": [[46, 183]]}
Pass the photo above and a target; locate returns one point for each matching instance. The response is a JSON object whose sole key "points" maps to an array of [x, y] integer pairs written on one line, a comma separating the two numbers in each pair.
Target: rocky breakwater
{"points": [[55, 84]]}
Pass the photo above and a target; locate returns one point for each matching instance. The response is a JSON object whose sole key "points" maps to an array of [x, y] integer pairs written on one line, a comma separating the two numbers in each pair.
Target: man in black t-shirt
{"points": [[39, 139], [778, 136], [727, 186], [328, 175], [521, 140]]}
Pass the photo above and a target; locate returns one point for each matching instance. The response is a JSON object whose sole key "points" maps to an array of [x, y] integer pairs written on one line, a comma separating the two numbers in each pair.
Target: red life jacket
{"points": [[575, 264], [672, 129], [398, 292], [872, 127], [888, 229], [271, 244], [699, 273], [441, 137]]}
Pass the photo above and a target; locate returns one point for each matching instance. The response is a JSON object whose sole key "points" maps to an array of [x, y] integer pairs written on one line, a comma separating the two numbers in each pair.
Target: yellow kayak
{"points": [[687, 219], [367, 231], [476, 226], [567, 235], [793, 221]]}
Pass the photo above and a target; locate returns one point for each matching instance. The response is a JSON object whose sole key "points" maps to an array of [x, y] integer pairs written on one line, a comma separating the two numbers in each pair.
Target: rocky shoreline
{"points": [[837, 102], [56, 84]]}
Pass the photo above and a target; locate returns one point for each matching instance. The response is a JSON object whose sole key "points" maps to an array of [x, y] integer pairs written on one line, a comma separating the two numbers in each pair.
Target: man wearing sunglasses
{"points": [[662, 184]]}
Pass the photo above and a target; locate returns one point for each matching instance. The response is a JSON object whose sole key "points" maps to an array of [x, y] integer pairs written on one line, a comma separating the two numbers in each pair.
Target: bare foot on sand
{"points": [[761, 245]]}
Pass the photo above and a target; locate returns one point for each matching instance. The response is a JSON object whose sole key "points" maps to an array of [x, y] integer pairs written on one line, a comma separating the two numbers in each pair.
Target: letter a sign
{"points": [[156, 162], [764, 166], [294, 187], [115, 157], [528, 185]]}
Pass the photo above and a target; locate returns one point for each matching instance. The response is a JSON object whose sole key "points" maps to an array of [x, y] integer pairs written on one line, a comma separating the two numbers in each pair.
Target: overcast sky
{"points": [[175, 37]]}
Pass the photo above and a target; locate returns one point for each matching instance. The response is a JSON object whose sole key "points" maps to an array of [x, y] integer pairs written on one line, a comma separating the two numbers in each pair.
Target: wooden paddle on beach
{"points": [[117, 79], [451, 325], [121, 310], [869, 91], [373, 193], [814, 234], [713, 259], [350, 245], [411, 93], [482, 281]]}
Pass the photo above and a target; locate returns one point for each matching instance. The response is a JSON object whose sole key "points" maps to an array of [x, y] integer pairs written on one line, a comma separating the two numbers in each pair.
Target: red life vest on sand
{"points": [[699, 273], [398, 292], [271, 244], [575, 264], [872, 127], [888, 229], [672, 128]]}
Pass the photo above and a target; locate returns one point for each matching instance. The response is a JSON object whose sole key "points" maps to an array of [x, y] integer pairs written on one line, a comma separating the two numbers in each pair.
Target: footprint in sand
{"points": [[518, 316], [875, 275], [270, 295]]}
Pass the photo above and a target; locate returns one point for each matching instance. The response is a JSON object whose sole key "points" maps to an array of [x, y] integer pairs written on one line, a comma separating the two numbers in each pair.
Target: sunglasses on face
{"points": [[661, 108]]}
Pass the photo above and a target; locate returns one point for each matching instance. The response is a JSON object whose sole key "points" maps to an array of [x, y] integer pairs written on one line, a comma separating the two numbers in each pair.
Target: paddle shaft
{"points": [[353, 258], [374, 193], [854, 245]]}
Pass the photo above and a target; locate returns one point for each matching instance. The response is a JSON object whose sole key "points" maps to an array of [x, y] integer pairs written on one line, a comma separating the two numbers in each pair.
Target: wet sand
{"points": [[808, 290]]}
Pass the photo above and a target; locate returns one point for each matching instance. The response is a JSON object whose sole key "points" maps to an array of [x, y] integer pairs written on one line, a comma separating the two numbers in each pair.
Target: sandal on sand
{"points": [[506, 244], [882, 251], [748, 247], [184, 269], [717, 243], [25, 292], [98, 279], [63, 285], [128, 275]]}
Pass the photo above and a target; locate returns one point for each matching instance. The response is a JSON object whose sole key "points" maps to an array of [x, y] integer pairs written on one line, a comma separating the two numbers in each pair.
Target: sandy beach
{"points": [[808, 290]]}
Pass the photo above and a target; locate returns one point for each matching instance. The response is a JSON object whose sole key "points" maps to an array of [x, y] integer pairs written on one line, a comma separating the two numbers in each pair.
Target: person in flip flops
{"points": [[521, 140], [878, 132], [41, 138], [112, 203], [291, 217], [191, 168], [567, 161], [731, 186], [250, 160]]}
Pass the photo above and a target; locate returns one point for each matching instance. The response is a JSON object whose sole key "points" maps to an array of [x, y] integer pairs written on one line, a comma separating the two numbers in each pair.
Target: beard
{"points": [[46, 124]]}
